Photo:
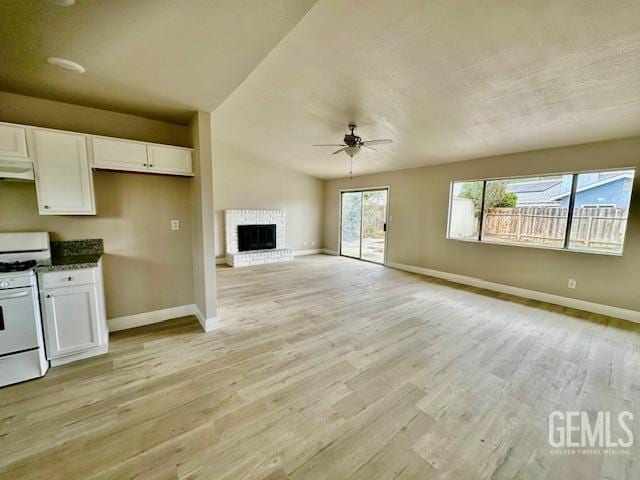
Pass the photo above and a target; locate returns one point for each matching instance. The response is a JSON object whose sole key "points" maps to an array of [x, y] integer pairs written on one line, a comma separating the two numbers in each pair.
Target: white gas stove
{"points": [[22, 354]]}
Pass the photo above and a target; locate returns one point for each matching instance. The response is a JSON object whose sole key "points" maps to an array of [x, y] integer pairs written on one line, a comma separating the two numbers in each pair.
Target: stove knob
{"points": [[4, 284]]}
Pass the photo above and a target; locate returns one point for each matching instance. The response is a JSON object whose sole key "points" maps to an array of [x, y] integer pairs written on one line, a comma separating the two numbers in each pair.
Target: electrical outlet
{"points": [[572, 283], [175, 224]]}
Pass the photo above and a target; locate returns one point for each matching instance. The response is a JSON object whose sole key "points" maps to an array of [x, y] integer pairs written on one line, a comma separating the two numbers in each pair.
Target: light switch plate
{"points": [[175, 224]]}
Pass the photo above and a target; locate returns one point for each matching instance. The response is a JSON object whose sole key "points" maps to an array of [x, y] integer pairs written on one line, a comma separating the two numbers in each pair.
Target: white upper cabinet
{"points": [[63, 175], [115, 154], [63, 161], [172, 160], [13, 142]]}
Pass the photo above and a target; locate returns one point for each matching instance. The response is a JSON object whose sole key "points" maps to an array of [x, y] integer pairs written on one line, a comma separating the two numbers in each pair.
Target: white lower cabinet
{"points": [[74, 319]]}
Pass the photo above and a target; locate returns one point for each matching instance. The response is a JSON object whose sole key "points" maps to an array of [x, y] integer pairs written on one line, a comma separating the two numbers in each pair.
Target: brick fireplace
{"points": [[236, 218]]}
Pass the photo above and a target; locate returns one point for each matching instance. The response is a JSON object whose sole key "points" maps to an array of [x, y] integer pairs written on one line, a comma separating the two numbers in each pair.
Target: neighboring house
{"points": [[611, 190], [536, 193]]}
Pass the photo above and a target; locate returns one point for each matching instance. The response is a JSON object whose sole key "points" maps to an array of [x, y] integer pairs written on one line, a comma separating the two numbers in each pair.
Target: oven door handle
{"points": [[15, 295]]}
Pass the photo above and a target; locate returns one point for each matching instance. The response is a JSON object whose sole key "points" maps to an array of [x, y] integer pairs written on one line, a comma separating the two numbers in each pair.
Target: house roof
{"points": [[535, 186], [603, 181]]}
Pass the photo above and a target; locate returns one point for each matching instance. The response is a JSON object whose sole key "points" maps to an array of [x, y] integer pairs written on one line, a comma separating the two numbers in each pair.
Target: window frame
{"points": [[571, 208]]}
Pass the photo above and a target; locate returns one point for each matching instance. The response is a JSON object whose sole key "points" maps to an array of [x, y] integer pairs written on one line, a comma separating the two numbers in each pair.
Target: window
{"points": [[464, 210], [526, 211], [600, 211], [580, 212]]}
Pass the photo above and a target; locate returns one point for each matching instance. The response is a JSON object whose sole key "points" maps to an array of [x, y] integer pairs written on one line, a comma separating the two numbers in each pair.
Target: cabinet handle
{"points": [[48, 296], [151, 165], [70, 278], [144, 164], [46, 206]]}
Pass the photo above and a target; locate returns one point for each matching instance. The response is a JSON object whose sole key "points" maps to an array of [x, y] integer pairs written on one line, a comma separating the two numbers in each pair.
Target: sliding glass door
{"points": [[363, 224], [350, 231]]}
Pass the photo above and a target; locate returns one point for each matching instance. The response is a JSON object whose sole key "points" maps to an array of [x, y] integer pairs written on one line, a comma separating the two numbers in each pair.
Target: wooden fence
{"points": [[592, 227]]}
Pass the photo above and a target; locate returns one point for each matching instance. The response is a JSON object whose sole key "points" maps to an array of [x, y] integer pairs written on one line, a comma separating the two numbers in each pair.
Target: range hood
{"points": [[16, 170]]}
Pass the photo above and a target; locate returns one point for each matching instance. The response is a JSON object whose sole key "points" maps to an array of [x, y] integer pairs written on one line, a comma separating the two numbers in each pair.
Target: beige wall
{"points": [[147, 266], [242, 182], [66, 116], [418, 207], [203, 238]]}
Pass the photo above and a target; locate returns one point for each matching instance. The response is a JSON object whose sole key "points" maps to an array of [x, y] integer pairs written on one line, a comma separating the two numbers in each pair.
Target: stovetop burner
{"points": [[6, 267]]}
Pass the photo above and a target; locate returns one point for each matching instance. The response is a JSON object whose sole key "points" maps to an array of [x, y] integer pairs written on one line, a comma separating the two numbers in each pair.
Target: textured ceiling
{"points": [[447, 80], [157, 58]]}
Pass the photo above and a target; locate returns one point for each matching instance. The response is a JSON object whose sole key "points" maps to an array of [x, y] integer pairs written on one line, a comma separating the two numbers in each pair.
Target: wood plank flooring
{"points": [[330, 368]]}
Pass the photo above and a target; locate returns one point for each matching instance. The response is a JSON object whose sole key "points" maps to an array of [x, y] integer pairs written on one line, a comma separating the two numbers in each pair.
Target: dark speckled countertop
{"points": [[73, 255]]}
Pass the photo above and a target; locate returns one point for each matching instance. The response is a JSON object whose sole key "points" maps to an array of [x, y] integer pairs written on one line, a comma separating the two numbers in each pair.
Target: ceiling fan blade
{"points": [[338, 151], [369, 148], [377, 142], [330, 145]]}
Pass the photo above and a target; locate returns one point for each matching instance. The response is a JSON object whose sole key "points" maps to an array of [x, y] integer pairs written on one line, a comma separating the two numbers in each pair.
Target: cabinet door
{"points": [[63, 176], [119, 155], [169, 160], [71, 320], [13, 142]]}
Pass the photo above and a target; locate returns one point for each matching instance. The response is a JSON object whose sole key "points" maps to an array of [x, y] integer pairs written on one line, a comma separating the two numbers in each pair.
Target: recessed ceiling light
{"points": [[66, 65], [63, 3]]}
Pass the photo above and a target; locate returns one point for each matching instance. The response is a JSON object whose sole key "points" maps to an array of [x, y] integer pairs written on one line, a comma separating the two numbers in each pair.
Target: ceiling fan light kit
{"points": [[351, 151], [353, 144]]}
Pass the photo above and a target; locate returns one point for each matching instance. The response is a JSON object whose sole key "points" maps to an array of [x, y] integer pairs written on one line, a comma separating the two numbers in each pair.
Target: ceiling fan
{"points": [[353, 144]]}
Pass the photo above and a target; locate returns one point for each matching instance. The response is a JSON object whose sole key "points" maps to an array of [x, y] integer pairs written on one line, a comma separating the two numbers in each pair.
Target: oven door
{"points": [[17, 321]]}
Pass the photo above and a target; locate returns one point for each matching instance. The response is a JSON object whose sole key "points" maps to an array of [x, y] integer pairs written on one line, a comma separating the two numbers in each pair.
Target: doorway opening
{"points": [[363, 224]]}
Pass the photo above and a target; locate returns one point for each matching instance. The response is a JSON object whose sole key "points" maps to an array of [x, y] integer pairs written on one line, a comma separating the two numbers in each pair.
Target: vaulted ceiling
{"points": [[157, 58], [446, 79]]}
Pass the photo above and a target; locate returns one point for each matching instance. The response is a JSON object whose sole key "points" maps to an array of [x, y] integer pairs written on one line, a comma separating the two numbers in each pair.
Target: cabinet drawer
{"points": [[68, 278]]}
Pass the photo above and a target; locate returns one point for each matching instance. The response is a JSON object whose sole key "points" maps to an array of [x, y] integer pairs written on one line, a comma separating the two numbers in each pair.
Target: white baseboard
{"points": [[56, 362], [147, 318], [312, 251], [296, 253], [326, 251], [207, 324], [617, 312]]}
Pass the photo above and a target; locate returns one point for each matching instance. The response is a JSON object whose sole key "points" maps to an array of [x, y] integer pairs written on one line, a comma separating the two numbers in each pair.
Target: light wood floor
{"points": [[331, 368]]}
